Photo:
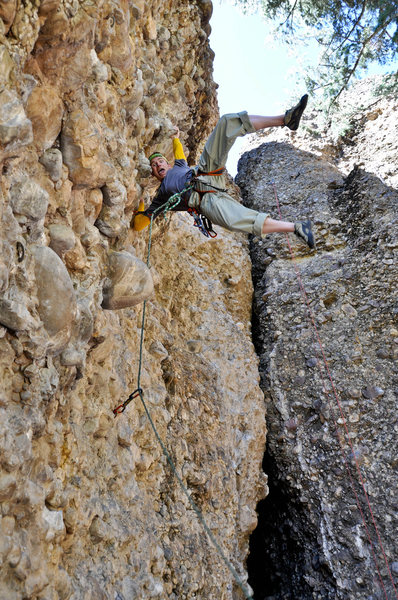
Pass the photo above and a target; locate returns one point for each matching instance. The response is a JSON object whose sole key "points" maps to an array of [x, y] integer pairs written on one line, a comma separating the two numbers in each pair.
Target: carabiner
{"points": [[122, 407]]}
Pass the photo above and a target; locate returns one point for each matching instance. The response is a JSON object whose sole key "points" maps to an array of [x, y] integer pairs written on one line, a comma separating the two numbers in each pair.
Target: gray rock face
{"points": [[15, 127], [28, 199], [52, 161], [62, 238], [332, 425], [114, 194], [15, 315], [110, 221]]}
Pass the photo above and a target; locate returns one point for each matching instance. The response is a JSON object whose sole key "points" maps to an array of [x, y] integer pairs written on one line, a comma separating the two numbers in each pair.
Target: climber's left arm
{"points": [[177, 146]]}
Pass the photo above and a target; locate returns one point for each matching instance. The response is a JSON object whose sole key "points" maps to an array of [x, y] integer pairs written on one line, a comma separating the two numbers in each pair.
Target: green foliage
{"points": [[388, 86], [340, 120], [352, 34]]}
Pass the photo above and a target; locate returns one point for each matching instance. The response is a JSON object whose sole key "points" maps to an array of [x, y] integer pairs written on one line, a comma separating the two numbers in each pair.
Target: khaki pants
{"points": [[219, 207]]}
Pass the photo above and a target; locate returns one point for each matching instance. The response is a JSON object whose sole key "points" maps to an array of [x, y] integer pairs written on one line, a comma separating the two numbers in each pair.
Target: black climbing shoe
{"points": [[304, 232], [293, 115]]}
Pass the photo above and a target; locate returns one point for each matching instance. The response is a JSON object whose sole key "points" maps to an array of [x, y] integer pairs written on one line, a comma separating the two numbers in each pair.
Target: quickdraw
{"points": [[204, 224], [122, 407]]}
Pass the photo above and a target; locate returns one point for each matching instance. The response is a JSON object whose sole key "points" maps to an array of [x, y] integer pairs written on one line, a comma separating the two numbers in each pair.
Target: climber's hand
{"points": [[175, 132]]}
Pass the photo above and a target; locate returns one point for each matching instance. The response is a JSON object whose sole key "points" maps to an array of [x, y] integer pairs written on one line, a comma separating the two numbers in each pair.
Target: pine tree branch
{"points": [[291, 12], [360, 54], [356, 24]]}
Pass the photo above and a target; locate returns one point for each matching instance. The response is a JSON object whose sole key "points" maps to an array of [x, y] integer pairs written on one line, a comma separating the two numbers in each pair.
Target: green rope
{"points": [[171, 203]]}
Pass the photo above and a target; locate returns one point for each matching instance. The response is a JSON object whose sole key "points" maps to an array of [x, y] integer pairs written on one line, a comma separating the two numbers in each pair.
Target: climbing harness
{"points": [[343, 419], [202, 222], [214, 173], [171, 203]]}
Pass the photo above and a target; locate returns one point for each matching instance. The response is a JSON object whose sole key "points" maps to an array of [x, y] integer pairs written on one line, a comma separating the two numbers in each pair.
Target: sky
{"points": [[254, 72]]}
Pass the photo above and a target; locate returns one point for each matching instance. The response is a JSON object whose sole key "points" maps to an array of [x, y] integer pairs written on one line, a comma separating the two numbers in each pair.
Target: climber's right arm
{"points": [[143, 216]]}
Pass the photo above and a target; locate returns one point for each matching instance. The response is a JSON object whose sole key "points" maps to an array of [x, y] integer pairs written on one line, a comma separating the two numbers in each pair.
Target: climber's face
{"points": [[160, 166]]}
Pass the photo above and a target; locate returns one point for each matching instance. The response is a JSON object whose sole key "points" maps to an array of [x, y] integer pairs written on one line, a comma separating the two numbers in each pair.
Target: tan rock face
{"points": [[7, 13], [62, 49], [45, 110], [113, 43], [88, 505], [83, 151]]}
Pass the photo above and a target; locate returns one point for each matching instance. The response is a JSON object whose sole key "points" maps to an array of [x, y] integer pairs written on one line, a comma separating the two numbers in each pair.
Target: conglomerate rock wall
{"points": [[89, 507], [333, 425]]}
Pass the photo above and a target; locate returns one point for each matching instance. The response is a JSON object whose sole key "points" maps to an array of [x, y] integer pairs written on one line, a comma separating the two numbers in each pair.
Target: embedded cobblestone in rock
{"points": [[55, 294], [129, 281]]}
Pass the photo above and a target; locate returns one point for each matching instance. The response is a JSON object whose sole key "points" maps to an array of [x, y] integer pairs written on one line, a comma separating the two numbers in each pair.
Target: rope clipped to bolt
{"points": [[171, 203]]}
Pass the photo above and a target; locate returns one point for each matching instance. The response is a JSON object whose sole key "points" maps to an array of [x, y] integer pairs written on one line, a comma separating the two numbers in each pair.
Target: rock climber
{"points": [[208, 196]]}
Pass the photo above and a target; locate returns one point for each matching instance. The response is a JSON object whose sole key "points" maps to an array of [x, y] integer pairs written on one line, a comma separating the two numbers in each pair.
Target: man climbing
{"points": [[207, 196]]}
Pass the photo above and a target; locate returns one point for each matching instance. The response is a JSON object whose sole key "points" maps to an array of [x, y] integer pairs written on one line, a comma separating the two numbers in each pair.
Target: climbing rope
{"points": [[327, 394], [171, 203]]}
